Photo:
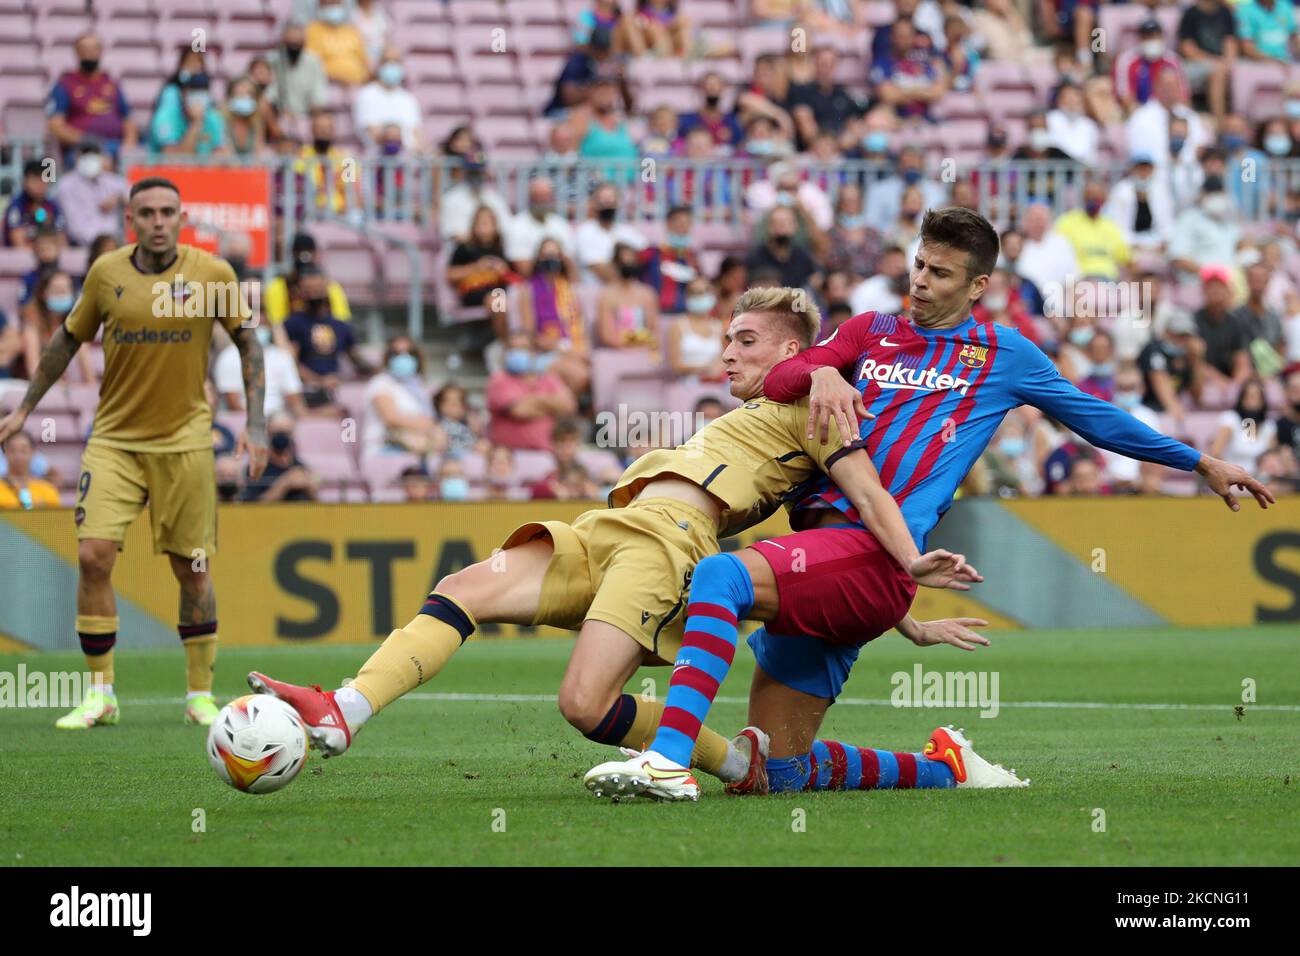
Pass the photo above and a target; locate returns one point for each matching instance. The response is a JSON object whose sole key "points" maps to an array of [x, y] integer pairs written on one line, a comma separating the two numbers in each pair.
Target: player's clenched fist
{"points": [[833, 398]]}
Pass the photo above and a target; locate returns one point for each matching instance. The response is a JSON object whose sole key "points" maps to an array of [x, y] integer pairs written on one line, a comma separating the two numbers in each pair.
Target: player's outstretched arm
{"points": [[55, 358], [253, 440], [856, 476]]}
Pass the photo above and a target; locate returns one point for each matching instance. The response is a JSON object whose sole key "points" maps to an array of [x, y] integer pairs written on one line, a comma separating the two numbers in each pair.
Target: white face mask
{"points": [[90, 165], [1153, 49], [1217, 205], [1039, 139]]}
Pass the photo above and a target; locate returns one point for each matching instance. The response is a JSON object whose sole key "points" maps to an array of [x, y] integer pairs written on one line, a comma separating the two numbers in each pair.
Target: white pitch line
{"points": [[843, 701]]}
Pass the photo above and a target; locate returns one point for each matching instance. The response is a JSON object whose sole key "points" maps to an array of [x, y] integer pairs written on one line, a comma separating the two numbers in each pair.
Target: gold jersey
{"points": [[753, 459], [157, 332]]}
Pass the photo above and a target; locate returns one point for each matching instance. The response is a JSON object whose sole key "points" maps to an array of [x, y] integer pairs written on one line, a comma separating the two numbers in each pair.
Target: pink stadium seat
{"points": [[682, 396], [66, 461], [16, 27], [349, 396], [247, 9], [60, 29], [25, 88], [730, 69], [443, 99], [413, 12], [611, 368], [234, 421], [24, 120], [713, 13], [329, 466], [478, 12], [475, 466], [599, 462], [554, 39], [533, 12], [381, 471], [532, 466], [1257, 88], [435, 68], [754, 42]]}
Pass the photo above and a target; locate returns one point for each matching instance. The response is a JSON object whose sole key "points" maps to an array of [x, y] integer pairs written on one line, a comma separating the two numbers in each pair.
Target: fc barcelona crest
{"points": [[973, 356]]}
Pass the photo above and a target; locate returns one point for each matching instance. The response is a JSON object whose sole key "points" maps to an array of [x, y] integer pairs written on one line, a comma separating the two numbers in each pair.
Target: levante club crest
{"points": [[973, 356]]}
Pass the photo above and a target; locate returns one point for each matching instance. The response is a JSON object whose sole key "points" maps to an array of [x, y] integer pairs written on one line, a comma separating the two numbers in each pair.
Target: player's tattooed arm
{"points": [[254, 367], [55, 358]]}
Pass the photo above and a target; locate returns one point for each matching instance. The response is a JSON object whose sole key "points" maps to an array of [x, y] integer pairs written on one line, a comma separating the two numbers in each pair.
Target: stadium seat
{"points": [[417, 13], [381, 471], [16, 27], [532, 466], [23, 120], [488, 12], [1257, 89]]}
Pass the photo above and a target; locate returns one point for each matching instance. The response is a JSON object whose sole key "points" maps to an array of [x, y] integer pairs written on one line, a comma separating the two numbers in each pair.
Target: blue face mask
{"points": [[1081, 337], [677, 240], [334, 15], [1103, 370], [454, 489], [700, 304], [1176, 145], [1293, 109], [519, 361], [198, 99], [855, 221], [243, 105], [1012, 447], [1127, 400], [1277, 144], [391, 74], [59, 303], [403, 365], [875, 142], [1233, 142], [762, 147], [912, 177]]}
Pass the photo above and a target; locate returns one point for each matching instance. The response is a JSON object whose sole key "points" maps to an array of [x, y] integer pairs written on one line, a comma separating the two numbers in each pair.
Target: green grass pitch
{"points": [[428, 779]]}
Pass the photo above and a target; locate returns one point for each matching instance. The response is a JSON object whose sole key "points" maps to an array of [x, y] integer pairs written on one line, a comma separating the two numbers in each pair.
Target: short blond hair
{"points": [[795, 309]]}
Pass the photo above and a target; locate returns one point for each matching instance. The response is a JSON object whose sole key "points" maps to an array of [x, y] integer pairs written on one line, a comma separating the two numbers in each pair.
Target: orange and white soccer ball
{"points": [[257, 744]]}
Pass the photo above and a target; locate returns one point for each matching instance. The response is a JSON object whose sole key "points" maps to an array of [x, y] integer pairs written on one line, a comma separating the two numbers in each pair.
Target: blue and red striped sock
{"points": [[836, 766], [721, 595]]}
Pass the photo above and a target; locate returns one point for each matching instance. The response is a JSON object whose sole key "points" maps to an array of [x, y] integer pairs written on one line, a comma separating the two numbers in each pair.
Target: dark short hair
{"points": [[681, 208], [154, 182], [34, 167], [566, 428], [965, 230]]}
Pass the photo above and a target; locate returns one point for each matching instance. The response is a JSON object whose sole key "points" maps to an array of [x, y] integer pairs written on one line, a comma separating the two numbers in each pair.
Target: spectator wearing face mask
{"points": [[724, 129], [283, 295], [627, 310], [398, 410], [50, 304], [230, 479], [339, 44], [671, 265], [223, 439], [453, 485], [319, 341], [299, 85], [551, 312], [780, 252], [385, 101], [1172, 366], [524, 402], [783, 187], [1245, 431], [539, 222], [1099, 244], [1142, 206], [185, 121], [599, 233], [325, 166], [1127, 475], [885, 196], [1137, 69], [286, 478], [695, 339], [87, 103], [283, 384], [19, 488], [1149, 128], [93, 196], [245, 124], [1206, 234], [32, 210]]}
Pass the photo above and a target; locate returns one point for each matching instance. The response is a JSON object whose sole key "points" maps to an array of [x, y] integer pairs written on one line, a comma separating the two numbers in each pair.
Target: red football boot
{"points": [[326, 727], [755, 782]]}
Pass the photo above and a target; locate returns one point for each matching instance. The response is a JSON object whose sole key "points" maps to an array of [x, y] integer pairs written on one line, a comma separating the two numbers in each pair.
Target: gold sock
{"points": [[413, 654], [98, 635], [710, 746], [200, 658]]}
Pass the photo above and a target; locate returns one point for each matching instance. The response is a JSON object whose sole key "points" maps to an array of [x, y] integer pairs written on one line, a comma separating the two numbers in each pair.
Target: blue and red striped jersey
{"points": [[939, 395]]}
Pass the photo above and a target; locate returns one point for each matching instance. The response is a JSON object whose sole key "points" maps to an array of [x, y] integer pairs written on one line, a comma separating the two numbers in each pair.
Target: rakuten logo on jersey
{"points": [[899, 374]]}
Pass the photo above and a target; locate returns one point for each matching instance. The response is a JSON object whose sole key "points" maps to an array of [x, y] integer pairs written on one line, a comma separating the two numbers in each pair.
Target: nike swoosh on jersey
{"points": [[884, 340]]}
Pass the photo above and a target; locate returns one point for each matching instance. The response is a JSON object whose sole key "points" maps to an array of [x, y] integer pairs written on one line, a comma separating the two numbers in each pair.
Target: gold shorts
{"points": [[179, 487], [630, 567]]}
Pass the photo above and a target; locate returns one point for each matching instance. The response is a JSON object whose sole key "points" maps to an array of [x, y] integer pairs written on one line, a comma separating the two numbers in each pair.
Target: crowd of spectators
{"points": [[1171, 289]]}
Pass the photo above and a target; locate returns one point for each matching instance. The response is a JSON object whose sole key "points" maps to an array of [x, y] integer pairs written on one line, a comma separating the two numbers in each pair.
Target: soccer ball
{"points": [[257, 744]]}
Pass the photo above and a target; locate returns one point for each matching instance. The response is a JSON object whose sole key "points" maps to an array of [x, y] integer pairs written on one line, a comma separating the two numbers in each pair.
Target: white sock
{"points": [[735, 766], [356, 709], [189, 696]]}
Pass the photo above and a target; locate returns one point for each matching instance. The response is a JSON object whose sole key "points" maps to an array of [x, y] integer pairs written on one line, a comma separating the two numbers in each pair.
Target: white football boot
{"points": [[950, 746], [646, 774]]}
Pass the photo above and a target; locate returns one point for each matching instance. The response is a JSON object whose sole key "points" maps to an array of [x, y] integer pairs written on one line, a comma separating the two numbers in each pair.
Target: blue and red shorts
{"points": [[837, 589]]}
